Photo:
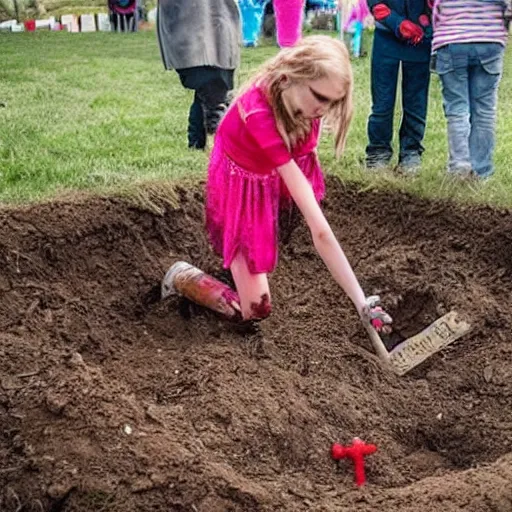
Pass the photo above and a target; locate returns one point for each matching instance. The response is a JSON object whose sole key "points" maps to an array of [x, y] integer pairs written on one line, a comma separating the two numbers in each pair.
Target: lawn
{"points": [[98, 112]]}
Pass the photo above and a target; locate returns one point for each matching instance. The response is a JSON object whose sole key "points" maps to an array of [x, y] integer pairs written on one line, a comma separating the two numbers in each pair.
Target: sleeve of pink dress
{"points": [[262, 128]]}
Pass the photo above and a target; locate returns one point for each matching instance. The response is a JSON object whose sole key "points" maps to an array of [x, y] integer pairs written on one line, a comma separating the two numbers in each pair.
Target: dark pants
{"points": [[211, 86], [415, 84]]}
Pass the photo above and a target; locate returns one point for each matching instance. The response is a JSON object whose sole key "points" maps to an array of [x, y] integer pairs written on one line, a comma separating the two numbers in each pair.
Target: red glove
{"points": [[375, 315], [381, 11], [424, 21], [411, 32]]}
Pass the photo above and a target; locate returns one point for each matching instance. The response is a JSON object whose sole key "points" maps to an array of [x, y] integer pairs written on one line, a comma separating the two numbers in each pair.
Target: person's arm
{"points": [[383, 14], [323, 237]]}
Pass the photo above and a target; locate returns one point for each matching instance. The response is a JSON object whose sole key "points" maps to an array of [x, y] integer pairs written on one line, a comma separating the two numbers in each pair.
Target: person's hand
{"points": [[373, 314], [424, 21], [381, 11], [411, 32]]}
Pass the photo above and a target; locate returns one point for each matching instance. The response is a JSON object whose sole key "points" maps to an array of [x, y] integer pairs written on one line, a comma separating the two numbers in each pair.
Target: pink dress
{"points": [[244, 192]]}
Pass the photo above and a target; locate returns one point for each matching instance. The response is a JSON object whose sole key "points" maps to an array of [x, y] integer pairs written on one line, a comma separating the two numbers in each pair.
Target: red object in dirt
{"points": [[30, 25], [356, 452], [202, 289]]}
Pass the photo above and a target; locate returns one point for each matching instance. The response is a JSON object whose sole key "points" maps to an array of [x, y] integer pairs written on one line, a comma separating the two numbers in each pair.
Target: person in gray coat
{"points": [[201, 40]]}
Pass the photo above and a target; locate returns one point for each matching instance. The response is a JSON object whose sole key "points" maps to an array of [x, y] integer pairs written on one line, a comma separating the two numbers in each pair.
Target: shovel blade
{"points": [[413, 351]]}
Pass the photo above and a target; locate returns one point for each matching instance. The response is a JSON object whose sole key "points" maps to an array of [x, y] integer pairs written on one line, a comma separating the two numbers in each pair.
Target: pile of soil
{"points": [[113, 401]]}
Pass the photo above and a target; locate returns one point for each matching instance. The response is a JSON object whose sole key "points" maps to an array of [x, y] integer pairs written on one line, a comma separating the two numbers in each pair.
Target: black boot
{"points": [[196, 128], [214, 100]]}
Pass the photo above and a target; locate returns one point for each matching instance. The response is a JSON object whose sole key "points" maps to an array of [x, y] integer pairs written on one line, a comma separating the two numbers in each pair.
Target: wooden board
{"points": [[435, 337]]}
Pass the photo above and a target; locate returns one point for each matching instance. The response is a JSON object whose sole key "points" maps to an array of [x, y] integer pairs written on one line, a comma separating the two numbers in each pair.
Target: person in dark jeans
{"points": [[402, 39], [201, 41], [211, 88]]}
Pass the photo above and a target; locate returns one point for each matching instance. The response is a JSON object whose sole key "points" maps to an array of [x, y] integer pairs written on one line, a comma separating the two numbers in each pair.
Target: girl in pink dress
{"points": [[264, 158]]}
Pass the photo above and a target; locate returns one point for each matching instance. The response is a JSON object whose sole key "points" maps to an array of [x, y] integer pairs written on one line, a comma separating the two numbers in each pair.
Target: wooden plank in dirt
{"points": [[435, 337]]}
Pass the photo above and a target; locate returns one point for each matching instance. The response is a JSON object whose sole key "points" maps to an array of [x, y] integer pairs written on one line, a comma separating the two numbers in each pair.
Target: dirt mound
{"points": [[111, 402]]}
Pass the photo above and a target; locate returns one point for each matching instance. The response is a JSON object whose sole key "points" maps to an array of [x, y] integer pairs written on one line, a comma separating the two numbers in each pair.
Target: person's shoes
{"points": [[407, 170], [197, 145], [484, 178], [409, 165], [460, 169], [461, 173], [471, 177], [376, 164]]}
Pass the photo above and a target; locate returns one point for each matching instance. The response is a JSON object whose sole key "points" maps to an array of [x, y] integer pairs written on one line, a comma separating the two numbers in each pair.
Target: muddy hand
{"points": [[375, 315]]}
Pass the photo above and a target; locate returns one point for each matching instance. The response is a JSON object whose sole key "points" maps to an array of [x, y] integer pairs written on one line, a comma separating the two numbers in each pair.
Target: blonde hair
{"points": [[312, 58]]}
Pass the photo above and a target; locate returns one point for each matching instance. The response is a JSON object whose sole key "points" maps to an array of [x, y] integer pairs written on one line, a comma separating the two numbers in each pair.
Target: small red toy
{"points": [[356, 452]]}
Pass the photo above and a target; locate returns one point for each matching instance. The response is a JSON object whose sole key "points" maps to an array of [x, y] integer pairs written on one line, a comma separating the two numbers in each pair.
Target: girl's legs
{"points": [[452, 67], [415, 84], [253, 290], [486, 67]]}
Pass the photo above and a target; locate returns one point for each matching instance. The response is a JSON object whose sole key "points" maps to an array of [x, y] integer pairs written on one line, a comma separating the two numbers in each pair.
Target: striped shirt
{"points": [[468, 21]]}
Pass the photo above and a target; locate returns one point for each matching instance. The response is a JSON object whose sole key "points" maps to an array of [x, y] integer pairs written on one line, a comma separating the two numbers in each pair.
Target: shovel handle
{"points": [[377, 343]]}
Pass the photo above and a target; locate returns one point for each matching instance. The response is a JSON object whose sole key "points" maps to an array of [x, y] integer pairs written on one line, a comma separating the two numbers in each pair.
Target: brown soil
{"points": [[110, 401]]}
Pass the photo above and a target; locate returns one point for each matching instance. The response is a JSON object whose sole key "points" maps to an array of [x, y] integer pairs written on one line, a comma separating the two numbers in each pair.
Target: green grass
{"points": [[98, 112]]}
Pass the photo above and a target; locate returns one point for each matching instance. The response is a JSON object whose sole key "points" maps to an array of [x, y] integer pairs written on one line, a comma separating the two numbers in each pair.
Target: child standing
{"points": [[469, 44], [201, 41], [264, 159], [403, 36]]}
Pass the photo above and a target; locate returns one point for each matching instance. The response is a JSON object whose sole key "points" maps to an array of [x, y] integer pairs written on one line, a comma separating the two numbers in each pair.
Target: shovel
{"points": [[413, 351]]}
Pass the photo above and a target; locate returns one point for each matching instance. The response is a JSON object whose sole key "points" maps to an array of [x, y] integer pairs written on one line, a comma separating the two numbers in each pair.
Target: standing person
{"points": [[252, 12], [201, 40], [289, 16], [403, 34], [264, 159], [469, 43]]}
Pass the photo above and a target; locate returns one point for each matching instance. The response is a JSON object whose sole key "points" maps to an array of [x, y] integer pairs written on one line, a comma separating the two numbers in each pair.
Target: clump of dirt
{"points": [[113, 401]]}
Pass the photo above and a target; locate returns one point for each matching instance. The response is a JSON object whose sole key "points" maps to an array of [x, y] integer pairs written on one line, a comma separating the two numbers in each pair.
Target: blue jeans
{"points": [[415, 85], [470, 74]]}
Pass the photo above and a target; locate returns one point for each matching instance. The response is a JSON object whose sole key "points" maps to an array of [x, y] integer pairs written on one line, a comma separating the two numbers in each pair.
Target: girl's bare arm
{"points": [[323, 237]]}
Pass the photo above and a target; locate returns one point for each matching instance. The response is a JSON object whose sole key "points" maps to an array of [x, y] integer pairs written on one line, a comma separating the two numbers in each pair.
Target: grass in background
{"points": [[98, 112]]}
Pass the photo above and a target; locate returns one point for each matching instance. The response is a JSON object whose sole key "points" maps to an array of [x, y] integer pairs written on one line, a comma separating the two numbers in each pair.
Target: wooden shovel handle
{"points": [[377, 343]]}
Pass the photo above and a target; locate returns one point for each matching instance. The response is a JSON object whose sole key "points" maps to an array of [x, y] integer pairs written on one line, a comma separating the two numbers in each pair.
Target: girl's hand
{"points": [[373, 314]]}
